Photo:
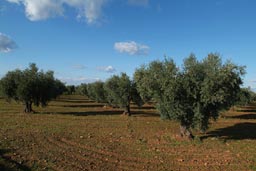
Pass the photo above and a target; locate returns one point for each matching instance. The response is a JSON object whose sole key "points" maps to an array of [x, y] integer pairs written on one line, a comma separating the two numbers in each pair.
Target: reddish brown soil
{"points": [[70, 135]]}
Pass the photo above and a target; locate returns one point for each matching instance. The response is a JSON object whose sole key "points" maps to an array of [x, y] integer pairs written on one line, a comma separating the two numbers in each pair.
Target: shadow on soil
{"points": [[243, 116], [84, 106], [246, 110], [10, 165], [89, 113], [145, 107], [74, 101], [145, 111], [144, 114], [238, 131], [105, 112]]}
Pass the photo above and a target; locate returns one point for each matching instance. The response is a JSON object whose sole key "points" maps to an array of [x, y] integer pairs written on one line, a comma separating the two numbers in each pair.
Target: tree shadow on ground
{"points": [[99, 105], [89, 113], [243, 116], [9, 164], [134, 113], [144, 114], [238, 131], [145, 107], [247, 110], [74, 101], [84, 106]]}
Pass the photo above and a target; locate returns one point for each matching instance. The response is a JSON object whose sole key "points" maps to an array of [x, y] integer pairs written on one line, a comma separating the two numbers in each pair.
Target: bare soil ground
{"points": [[74, 133]]}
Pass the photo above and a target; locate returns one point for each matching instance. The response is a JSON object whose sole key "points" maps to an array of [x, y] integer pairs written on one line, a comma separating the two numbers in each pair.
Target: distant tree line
{"points": [[192, 94]]}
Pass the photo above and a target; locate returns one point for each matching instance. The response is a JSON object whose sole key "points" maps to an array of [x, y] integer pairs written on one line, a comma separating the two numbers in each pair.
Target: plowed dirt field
{"points": [[74, 133]]}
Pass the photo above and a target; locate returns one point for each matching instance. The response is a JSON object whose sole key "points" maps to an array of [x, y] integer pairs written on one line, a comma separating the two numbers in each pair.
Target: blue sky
{"points": [[87, 40]]}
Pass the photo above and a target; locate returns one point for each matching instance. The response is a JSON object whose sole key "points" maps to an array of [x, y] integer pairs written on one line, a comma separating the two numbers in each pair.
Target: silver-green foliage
{"points": [[245, 97], [96, 92], [31, 86], [194, 93], [82, 89], [121, 91]]}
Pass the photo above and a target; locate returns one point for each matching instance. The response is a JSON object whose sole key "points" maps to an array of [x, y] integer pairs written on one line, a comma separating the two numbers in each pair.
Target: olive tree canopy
{"points": [[31, 86], [192, 94], [121, 91], [95, 91]]}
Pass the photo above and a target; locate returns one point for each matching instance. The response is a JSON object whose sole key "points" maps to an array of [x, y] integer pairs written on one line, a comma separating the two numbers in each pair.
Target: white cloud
{"points": [[92, 10], [77, 80], [40, 10], [79, 66], [6, 44], [108, 69], [44, 9], [139, 2], [131, 48]]}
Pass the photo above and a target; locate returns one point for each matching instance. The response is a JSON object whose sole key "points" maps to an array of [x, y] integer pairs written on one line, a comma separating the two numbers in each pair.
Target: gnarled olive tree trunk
{"points": [[28, 107], [185, 132], [127, 110]]}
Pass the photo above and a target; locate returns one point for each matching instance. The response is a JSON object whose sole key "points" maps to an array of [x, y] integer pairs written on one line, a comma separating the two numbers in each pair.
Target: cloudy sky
{"points": [[88, 40]]}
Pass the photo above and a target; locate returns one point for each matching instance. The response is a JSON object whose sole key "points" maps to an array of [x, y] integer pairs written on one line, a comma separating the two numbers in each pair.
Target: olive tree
{"points": [[192, 94], [70, 89], [82, 89], [96, 91], [245, 97], [31, 86], [121, 91]]}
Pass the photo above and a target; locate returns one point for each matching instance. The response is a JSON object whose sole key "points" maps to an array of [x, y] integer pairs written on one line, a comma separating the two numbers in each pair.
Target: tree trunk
{"points": [[185, 132], [127, 110], [28, 107]]}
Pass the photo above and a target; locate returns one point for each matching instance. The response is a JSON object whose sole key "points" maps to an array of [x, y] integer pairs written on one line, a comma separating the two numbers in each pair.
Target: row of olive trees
{"points": [[31, 86], [117, 91], [36, 87], [245, 97], [193, 94]]}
